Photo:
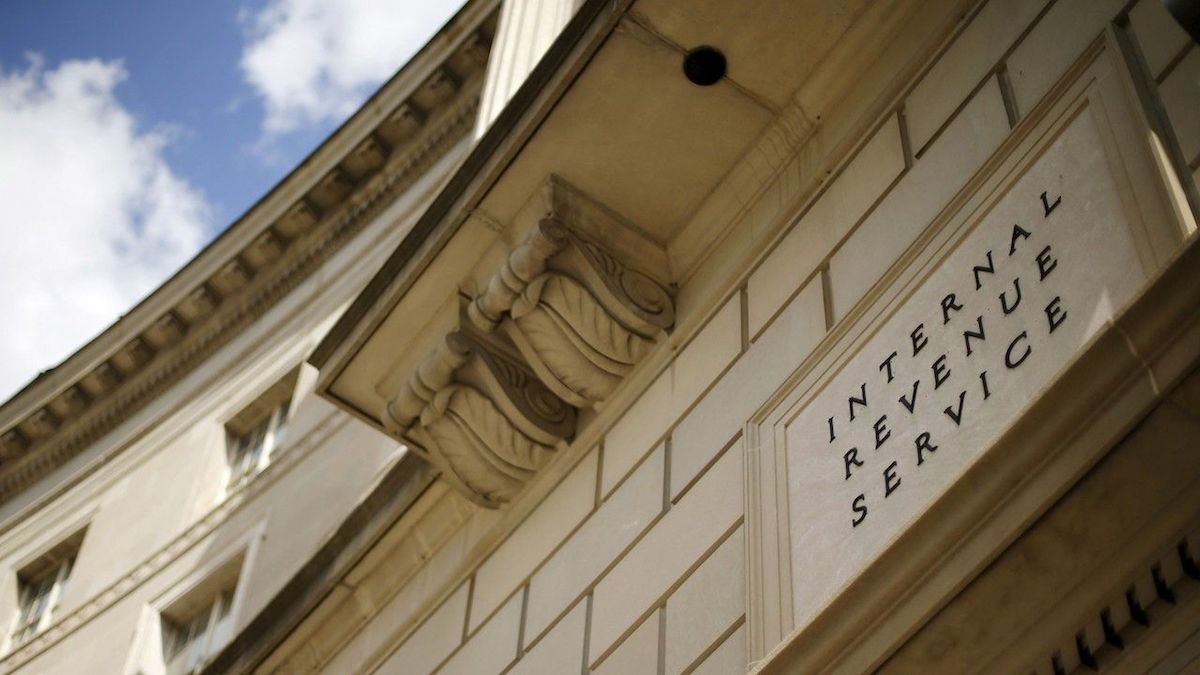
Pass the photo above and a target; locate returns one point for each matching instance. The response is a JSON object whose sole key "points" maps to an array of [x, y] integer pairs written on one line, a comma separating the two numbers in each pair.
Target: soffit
{"points": [[636, 135], [772, 47], [629, 130]]}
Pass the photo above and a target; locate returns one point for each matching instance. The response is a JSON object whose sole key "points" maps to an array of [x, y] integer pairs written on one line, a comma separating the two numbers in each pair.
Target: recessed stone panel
{"points": [[955, 360]]}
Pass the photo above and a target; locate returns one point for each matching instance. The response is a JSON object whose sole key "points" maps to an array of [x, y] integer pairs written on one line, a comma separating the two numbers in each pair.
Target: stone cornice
{"points": [[399, 134]]}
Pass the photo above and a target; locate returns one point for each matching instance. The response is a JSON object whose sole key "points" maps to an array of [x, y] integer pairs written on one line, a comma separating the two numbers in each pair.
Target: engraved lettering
{"points": [[940, 372], [860, 400], [890, 480], [911, 401], [924, 445], [1045, 263], [859, 506], [1017, 233], [887, 363], [1004, 298], [1008, 353], [882, 433], [1055, 315], [990, 269], [918, 339], [851, 459], [956, 415], [977, 334], [949, 304], [1048, 207]]}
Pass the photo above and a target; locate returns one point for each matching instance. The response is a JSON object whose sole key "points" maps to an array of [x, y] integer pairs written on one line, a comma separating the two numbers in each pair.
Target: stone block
{"points": [[638, 654], [426, 647], [711, 600], [1054, 44], [534, 539], [672, 393], [729, 658], [401, 608], [668, 550], [1158, 34], [490, 650], [752, 379], [824, 224], [561, 651], [923, 192], [586, 554], [968, 60]]}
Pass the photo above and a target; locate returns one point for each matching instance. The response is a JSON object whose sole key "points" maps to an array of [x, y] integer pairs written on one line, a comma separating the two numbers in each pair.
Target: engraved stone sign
{"points": [[955, 362]]}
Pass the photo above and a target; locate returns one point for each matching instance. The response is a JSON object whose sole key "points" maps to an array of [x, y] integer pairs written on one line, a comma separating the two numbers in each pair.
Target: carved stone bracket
{"points": [[580, 317], [481, 417], [556, 328]]}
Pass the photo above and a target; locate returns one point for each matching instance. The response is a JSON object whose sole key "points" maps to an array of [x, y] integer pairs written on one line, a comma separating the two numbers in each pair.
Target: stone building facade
{"points": [[162, 484], [728, 337]]}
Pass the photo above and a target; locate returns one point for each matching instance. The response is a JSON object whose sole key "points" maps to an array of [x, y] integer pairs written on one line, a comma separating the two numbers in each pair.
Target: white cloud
{"points": [[93, 217], [316, 60]]}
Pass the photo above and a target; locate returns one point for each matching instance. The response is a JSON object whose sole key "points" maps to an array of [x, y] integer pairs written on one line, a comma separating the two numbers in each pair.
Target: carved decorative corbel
{"points": [[557, 327], [481, 417], [580, 317]]}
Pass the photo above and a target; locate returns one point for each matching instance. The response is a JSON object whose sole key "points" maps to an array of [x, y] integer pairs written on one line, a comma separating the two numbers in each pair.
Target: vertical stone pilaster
{"points": [[527, 27]]}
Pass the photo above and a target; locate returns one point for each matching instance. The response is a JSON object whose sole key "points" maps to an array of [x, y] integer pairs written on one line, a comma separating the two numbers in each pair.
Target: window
{"points": [[187, 643], [198, 623], [250, 451], [257, 431], [40, 586]]}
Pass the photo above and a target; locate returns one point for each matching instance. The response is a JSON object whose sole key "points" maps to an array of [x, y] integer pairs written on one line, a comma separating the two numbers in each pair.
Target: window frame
{"points": [[40, 583], [248, 453], [48, 595], [200, 644]]}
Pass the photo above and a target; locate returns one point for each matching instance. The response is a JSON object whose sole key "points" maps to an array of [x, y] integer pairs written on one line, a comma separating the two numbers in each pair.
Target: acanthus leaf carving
{"points": [[480, 417], [557, 327], [582, 353], [581, 317]]}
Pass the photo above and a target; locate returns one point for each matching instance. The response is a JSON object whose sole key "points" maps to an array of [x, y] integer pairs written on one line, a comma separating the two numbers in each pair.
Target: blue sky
{"points": [[133, 132]]}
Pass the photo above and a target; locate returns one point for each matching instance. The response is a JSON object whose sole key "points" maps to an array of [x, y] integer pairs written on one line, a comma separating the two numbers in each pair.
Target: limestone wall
{"points": [[160, 517], [637, 561]]}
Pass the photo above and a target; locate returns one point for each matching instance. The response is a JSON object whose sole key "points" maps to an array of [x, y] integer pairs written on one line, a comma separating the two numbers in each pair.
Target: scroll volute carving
{"points": [[580, 317], [556, 328], [481, 417]]}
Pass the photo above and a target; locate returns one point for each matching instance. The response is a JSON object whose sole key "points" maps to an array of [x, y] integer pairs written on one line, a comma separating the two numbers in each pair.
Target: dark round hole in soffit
{"points": [[704, 66]]}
